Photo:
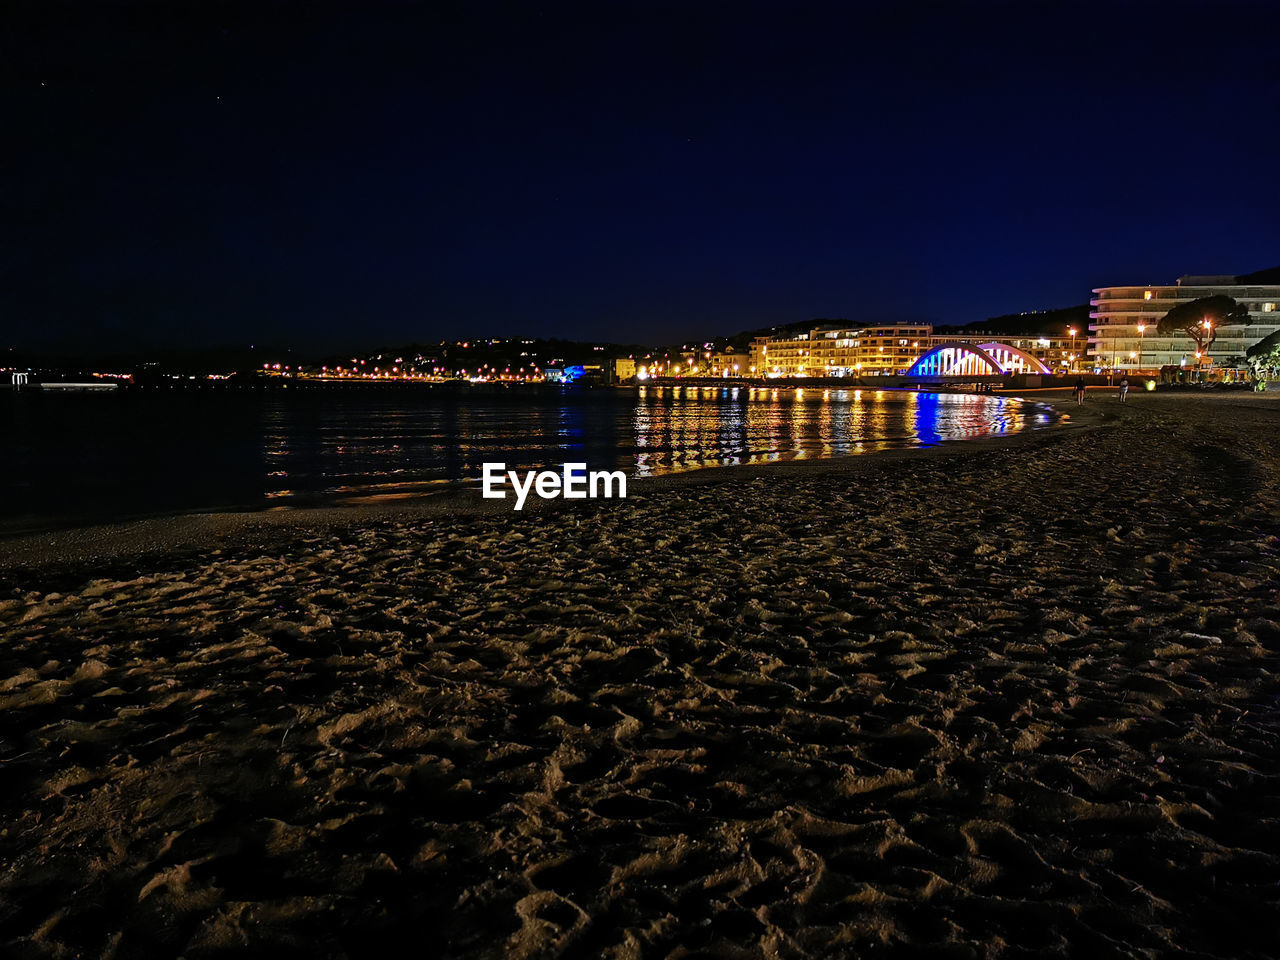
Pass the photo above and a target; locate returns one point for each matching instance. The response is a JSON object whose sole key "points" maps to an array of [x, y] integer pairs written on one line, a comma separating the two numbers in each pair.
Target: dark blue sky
{"points": [[316, 174]]}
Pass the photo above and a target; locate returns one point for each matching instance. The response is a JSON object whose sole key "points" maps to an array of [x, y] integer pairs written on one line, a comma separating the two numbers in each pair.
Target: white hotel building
{"points": [[1122, 328]]}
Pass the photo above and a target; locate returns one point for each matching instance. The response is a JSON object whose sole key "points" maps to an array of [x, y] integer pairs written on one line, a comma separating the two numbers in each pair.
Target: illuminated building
{"points": [[841, 352], [1122, 331], [621, 368]]}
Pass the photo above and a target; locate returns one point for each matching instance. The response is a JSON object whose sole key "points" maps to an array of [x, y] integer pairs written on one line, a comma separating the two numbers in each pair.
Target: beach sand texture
{"points": [[1013, 703]]}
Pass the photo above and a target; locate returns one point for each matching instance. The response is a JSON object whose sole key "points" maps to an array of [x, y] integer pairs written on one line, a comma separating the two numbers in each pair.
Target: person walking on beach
{"points": [[1079, 391], [1124, 389]]}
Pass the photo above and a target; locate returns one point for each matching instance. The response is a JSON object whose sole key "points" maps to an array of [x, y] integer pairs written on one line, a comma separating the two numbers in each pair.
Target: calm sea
{"points": [[74, 458]]}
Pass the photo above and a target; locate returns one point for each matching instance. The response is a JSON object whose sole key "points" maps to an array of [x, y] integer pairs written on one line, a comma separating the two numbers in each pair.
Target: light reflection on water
{"points": [[374, 454], [136, 454], [677, 429]]}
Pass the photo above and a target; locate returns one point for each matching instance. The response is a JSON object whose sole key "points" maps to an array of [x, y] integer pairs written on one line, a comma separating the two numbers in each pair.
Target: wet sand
{"points": [[1013, 699]]}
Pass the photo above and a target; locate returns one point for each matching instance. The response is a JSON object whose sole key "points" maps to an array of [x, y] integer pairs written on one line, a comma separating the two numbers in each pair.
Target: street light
{"points": [[1208, 339], [1141, 328], [1072, 331]]}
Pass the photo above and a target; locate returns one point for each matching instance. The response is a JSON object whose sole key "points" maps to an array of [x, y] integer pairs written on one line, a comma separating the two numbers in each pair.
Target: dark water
{"points": [[79, 457]]}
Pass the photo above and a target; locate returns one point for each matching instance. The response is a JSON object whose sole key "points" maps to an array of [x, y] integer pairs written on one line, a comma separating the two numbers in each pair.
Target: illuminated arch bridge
{"points": [[975, 360]]}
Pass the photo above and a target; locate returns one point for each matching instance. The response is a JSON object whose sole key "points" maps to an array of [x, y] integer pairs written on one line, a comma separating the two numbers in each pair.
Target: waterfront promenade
{"points": [[1013, 698]]}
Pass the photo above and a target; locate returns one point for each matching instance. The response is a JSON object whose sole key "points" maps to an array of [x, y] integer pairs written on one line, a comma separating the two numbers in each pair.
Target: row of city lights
{"points": [[486, 371], [483, 372]]}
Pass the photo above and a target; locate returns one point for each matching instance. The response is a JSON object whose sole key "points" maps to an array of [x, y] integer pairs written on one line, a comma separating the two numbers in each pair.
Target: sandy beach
{"points": [[1012, 698]]}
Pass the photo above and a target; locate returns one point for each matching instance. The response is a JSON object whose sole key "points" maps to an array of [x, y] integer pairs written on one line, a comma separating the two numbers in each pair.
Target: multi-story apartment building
{"points": [[786, 356], [1122, 331], [758, 355], [841, 351], [871, 350], [727, 363]]}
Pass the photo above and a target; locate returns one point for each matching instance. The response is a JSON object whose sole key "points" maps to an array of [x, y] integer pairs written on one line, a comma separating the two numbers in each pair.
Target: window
{"points": [[1268, 307]]}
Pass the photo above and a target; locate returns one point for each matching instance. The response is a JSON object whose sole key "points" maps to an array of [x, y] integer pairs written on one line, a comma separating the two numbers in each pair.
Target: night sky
{"points": [[320, 175]]}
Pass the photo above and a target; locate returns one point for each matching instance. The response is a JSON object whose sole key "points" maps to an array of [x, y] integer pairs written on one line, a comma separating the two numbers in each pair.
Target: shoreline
{"points": [[191, 532]]}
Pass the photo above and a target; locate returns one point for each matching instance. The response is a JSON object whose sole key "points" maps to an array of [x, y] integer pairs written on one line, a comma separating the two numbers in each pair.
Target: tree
{"points": [[1201, 319], [1264, 357]]}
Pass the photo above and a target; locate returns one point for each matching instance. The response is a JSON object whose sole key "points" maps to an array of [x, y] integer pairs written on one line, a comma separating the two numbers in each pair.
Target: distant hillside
{"points": [[1261, 276], [740, 341], [1031, 324]]}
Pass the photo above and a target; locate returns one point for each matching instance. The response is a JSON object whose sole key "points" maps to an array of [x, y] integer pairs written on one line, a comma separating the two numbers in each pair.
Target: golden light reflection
{"points": [[765, 425]]}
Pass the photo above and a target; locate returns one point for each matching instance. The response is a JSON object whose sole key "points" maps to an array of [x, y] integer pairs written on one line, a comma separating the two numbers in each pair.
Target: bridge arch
{"points": [[1013, 360], [991, 359], [955, 359]]}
